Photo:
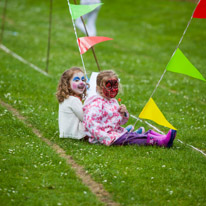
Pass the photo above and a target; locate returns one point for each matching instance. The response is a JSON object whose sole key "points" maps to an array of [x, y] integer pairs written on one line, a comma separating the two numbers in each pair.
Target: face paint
{"points": [[110, 89], [83, 79], [77, 83]]}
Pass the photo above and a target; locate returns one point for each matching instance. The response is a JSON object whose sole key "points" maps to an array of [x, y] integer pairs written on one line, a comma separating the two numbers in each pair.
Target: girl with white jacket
{"points": [[70, 92]]}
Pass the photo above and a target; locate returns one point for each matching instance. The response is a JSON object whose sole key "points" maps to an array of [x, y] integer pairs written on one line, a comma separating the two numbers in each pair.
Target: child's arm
{"points": [[77, 108], [125, 115]]}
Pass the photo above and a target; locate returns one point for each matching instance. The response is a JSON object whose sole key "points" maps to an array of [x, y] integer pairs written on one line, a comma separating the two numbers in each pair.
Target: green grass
{"points": [[145, 34], [31, 172]]}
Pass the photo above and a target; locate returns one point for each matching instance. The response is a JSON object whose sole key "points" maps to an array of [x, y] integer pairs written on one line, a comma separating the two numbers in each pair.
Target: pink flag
{"points": [[200, 11], [86, 43]]}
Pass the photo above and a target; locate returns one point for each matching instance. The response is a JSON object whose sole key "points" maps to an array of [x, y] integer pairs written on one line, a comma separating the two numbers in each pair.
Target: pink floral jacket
{"points": [[102, 120]]}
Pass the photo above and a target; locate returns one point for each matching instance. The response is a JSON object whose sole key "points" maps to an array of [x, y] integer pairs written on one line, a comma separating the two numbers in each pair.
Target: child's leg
{"points": [[146, 139], [131, 138], [155, 133]]}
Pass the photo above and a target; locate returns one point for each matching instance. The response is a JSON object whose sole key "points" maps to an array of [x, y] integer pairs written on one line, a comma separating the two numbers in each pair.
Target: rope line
{"points": [[5, 49], [155, 128], [85, 28], [152, 126], [195, 148], [174, 51]]}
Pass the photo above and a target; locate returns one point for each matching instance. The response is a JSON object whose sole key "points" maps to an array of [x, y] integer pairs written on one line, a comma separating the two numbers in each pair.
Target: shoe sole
{"points": [[173, 135]]}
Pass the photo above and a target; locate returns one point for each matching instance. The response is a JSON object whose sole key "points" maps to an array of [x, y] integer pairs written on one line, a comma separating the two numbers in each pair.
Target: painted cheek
{"points": [[106, 93], [74, 86]]}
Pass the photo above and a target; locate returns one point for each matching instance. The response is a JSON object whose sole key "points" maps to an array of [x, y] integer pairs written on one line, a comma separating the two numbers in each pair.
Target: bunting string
{"points": [[75, 31], [94, 54], [178, 62], [174, 51], [150, 125], [159, 131]]}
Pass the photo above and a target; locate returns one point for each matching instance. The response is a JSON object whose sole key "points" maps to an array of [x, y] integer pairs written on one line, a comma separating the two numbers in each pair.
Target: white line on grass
{"points": [[8, 51], [163, 133], [192, 147]]}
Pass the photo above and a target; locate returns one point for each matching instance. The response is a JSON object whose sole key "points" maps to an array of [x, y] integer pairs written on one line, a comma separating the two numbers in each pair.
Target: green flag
{"points": [[180, 64], [80, 10]]}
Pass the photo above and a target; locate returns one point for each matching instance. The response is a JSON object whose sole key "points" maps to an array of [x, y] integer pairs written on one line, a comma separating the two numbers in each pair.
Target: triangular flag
{"points": [[80, 10], [180, 64], [200, 11], [152, 112], [87, 42]]}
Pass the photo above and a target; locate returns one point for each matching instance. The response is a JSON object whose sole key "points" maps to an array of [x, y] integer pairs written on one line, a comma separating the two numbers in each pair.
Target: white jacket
{"points": [[70, 118]]}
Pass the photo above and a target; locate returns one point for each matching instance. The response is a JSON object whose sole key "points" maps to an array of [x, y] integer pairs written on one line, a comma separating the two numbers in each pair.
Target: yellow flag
{"points": [[152, 112]]}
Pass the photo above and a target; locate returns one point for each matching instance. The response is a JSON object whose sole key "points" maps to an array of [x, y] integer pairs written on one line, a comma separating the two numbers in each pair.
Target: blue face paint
{"points": [[76, 78], [83, 79]]}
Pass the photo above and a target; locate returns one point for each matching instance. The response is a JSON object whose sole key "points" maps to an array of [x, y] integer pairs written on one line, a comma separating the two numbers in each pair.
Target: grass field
{"points": [[145, 35]]}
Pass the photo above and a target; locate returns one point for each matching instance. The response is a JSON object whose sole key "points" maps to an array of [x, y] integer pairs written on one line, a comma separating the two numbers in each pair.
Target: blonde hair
{"points": [[102, 77], [64, 90]]}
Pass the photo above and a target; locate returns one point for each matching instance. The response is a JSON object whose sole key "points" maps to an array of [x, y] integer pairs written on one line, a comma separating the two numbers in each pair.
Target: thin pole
{"points": [[94, 54], [49, 36], [3, 21]]}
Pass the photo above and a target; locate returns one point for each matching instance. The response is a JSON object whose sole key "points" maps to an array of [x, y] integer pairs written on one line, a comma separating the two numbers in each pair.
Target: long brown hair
{"points": [[64, 90]]}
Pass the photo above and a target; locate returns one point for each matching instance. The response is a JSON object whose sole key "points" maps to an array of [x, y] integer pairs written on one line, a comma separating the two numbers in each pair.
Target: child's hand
{"points": [[122, 109]]}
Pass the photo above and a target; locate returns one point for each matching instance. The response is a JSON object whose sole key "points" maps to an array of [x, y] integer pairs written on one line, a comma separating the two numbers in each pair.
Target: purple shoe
{"points": [[155, 133], [171, 140], [162, 140]]}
